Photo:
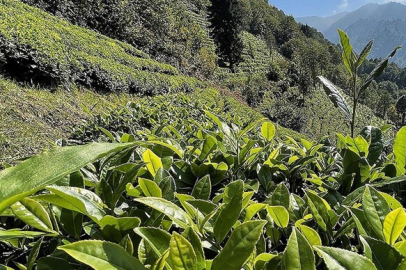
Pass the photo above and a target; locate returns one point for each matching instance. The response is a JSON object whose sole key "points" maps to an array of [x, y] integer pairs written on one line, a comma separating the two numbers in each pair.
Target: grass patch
{"points": [[33, 119]]}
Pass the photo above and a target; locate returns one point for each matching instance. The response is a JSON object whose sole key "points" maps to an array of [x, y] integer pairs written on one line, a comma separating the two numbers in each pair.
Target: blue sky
{"points": [[299, 8]]}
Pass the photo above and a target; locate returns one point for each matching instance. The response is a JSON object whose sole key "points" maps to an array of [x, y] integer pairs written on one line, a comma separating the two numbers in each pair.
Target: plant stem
{"points": [[355, 101]]}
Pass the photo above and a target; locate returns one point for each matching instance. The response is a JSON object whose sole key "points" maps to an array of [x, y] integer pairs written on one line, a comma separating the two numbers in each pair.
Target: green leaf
{"points": [[149, 188], [384, 256], [127, 244], [33, 214], [392, 202], [209, 145], [3, 267], [280, 215], [239, 246], [171, 210], [37, 172], [230, 211], [298, 254], [319, 208], [15, 233], [202, 188], [160, 263], [251, 125], [393, 225], [377, 71], [374, 136], [102, 255], [76, 199], [166, 183], [311, 235], [176, 150], [120, 223], [52, 263], [194, 239], [181, 254], [280, 197], [364, 53], [375, 209], [340, 259], [335, 96], [268, 131], [158, 239], [253, 209], [347, 52], [34, 254], [399, 149], [401, 247], [154, 163], [262, 259]]}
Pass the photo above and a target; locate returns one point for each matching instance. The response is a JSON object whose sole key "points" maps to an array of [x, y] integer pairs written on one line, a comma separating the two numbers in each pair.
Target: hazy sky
{"points": [[299, 8]]}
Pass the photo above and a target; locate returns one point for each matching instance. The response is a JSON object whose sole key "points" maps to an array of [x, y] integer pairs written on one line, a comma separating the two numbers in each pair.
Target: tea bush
{"points": [[41, 48], [208, 196]]}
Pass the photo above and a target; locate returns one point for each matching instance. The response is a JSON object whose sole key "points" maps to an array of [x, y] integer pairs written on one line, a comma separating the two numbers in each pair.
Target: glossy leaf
{"points": [[154, 163], [384, 256], [149, 188], [77, 199], [239, 246], [158, 239], [393, 225], [268, 131], [34, 254], [347, 51], [119, 223], [399, 149], [15, 185], [16, 233], [33, 214], [340, 259], [298, 254], [311, 235], [377, 70], [230, 211], [194, 239], [280, 197], [181, 253], [209, 145], [171, 210], [202, 188], [375, 209], [336, 97], [102, 255], [279, 215]]}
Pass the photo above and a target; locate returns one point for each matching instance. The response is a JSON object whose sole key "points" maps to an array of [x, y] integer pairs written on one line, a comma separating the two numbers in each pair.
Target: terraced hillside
{"points": [[43, 48]]}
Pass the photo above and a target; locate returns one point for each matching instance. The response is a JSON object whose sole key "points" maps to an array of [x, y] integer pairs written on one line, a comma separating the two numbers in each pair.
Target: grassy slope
{"points": [[76, 54], [33, 119]]}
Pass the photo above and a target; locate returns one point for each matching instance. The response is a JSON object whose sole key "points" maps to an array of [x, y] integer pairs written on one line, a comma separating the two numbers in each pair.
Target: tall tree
{"points": [[228, 19]]}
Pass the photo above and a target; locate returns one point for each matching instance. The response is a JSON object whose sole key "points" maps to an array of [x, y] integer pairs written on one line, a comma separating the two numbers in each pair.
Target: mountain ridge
{"points": [[383, 23]]}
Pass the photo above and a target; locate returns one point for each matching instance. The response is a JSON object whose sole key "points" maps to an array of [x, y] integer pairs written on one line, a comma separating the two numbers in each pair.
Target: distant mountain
{"points": [[385, 24], [321, 23]]}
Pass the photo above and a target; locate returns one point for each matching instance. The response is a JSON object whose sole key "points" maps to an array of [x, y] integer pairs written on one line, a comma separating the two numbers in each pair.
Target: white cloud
{"points": [[343, 4]]}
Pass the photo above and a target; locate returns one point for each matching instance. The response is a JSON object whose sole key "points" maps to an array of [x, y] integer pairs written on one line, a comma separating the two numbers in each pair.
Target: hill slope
{"points": [[274, 75], [321, 23], [385, 24]]}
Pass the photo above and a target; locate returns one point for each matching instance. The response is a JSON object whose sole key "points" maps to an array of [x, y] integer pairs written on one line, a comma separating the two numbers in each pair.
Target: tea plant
{"points": [[352, 62], [214, 196]]}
